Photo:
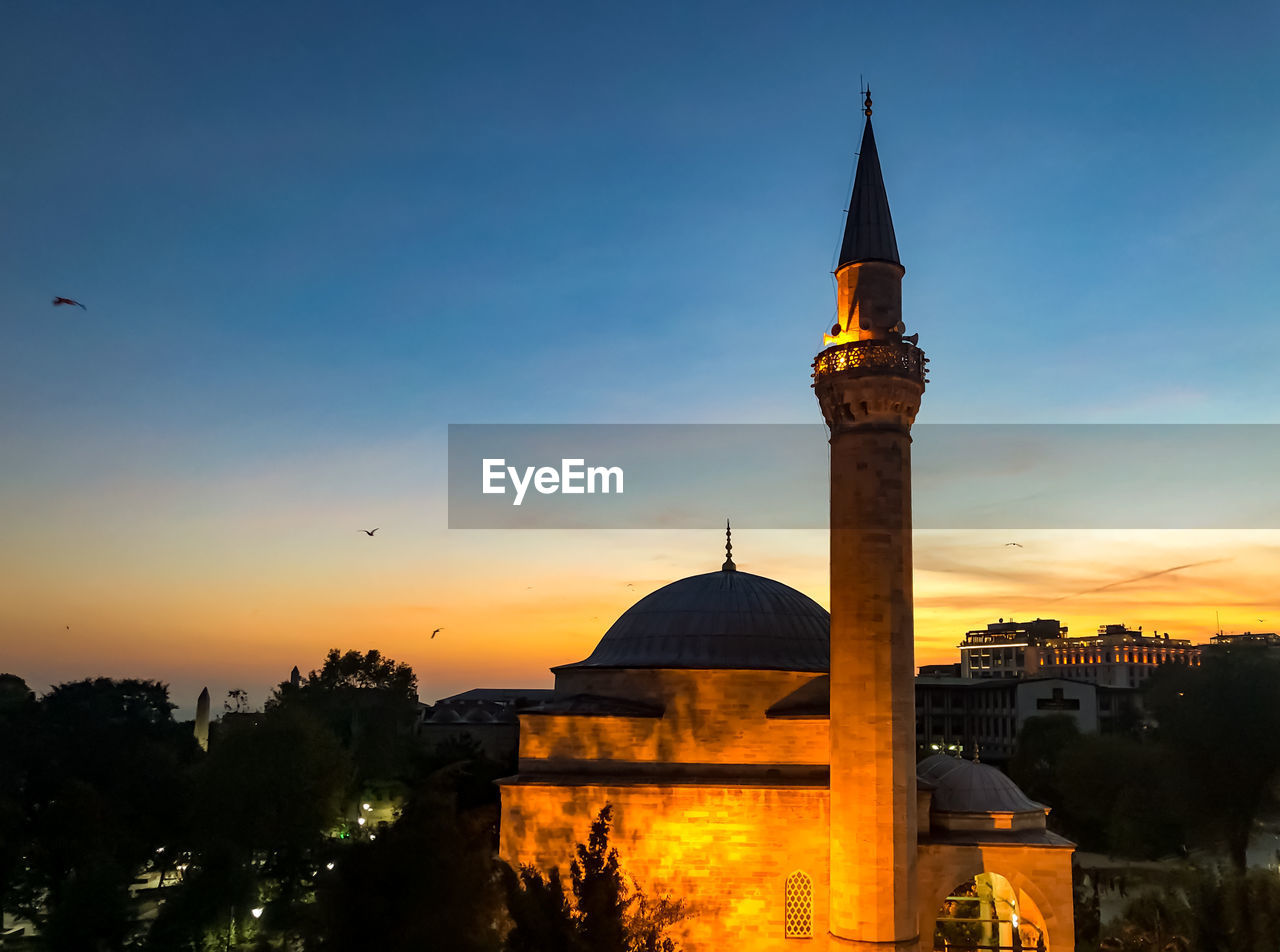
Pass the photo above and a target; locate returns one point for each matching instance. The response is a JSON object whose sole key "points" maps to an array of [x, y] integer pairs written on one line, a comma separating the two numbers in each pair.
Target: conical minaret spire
{"points": [[869, 273], [868, 229]]}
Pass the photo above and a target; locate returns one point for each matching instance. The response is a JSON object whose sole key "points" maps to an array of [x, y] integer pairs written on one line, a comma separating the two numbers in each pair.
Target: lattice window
{"points": [[799, 907]]}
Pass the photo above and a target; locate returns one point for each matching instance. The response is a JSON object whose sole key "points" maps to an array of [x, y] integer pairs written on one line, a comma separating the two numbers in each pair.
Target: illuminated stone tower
{"points": [[869, 381]]}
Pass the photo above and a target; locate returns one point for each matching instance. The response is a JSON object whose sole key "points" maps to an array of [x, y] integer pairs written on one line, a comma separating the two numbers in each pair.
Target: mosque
{"points": [[759, 753]]}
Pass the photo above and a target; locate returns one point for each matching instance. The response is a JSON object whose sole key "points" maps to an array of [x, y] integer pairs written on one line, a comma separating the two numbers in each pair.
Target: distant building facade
{"points": [[488, 716], [1117, 656], [1007, 649], [968, 716], [1012, 670], [1264, 641]]}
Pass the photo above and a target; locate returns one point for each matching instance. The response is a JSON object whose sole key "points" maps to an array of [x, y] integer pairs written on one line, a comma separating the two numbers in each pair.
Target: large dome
{"points": [[725, 619]]}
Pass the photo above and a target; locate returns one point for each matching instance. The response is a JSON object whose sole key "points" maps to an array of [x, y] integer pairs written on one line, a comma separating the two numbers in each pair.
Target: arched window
{"points": [[799, 907]]}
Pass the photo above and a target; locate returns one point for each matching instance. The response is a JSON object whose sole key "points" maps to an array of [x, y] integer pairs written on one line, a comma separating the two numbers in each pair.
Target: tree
{"points": [[17, 713], [1203, 910], [1222, 722], [264, 802], [599, 890], [428, 881], [541, 918], [267, 798], [353, 670], [608, 914], [237, 702], [1119, 796], [1150, 924], [273, 784], [104, 779], [369, 702], [1040, 744]]}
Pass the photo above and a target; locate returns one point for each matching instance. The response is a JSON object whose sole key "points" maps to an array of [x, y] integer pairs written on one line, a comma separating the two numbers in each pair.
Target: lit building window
{"points": [[799, 907]]}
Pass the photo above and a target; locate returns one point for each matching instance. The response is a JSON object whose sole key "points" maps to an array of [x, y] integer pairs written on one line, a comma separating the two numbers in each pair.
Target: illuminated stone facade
{"points": [[758, 753]]}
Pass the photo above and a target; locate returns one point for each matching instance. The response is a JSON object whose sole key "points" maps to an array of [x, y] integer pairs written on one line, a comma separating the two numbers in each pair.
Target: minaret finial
{"points": [[866, 103], [728, 550]]}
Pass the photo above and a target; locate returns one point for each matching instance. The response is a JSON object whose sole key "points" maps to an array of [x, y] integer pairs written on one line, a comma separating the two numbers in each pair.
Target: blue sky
{"points": [[309, 236]]}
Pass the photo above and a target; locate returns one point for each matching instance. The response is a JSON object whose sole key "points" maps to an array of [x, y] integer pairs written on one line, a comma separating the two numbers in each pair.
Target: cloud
{"points": [[1138, 578]]}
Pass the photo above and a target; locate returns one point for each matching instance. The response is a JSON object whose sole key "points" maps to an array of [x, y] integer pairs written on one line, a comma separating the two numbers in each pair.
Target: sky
{"points": [[309, 237]]}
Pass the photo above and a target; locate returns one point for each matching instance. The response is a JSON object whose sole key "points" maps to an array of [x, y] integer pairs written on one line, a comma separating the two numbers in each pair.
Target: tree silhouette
{"points": [[1204, 910], [608, 914], [104, 783], [17, 714], [1223, 723], [426, 882], [599, 890], [369, 702]]}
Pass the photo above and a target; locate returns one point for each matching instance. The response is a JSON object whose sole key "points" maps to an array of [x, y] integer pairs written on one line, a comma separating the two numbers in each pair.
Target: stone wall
{"points": [[728, 850], [711, 717]]}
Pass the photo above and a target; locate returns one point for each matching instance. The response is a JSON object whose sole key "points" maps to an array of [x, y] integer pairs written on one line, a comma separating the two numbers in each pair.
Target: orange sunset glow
{"points": [[513, 604]]}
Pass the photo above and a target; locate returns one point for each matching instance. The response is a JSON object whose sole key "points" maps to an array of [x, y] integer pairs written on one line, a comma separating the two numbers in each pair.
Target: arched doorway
{"points": [[986, 914]]}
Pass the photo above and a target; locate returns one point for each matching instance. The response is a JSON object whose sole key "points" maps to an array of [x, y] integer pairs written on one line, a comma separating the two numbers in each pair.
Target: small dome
{"points": [[725, 619], [962, 786]]}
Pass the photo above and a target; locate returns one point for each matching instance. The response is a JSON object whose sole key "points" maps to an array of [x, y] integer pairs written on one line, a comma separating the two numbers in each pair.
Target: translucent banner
{"points": [[774, 476]]}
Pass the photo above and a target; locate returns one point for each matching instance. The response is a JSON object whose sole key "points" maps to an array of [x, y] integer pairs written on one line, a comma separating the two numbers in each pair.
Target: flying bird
{"points": [[1018, 544], [369, 532], [61, 300], [436, 632]]}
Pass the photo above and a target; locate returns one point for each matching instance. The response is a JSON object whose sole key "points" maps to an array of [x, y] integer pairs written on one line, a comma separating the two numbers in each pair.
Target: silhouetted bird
{"points": [[369, 531], [436, 632], [1018, 544], [61, 300]]}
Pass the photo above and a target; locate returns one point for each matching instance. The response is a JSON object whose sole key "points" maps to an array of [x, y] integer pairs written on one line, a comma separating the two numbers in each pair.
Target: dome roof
{"points": [[725, 619], [962, 786]]}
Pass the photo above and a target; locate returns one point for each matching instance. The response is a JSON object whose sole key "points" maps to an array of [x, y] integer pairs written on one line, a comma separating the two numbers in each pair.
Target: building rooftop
{"points": [[506, 695]]}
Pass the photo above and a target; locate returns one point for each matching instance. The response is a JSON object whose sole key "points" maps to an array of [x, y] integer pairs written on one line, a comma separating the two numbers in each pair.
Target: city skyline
{"points": [[307, 244]]}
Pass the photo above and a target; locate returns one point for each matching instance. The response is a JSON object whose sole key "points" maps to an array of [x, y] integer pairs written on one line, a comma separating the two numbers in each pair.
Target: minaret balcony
{"points": [[876, 356]]}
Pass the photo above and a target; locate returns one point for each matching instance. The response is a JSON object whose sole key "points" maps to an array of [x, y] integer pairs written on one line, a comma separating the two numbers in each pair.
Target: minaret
{"points": [[202, 720], [869, 382]]}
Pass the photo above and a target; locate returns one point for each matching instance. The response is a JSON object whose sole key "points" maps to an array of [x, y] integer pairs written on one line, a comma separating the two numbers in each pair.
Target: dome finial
{"points": [[728, 550]]}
